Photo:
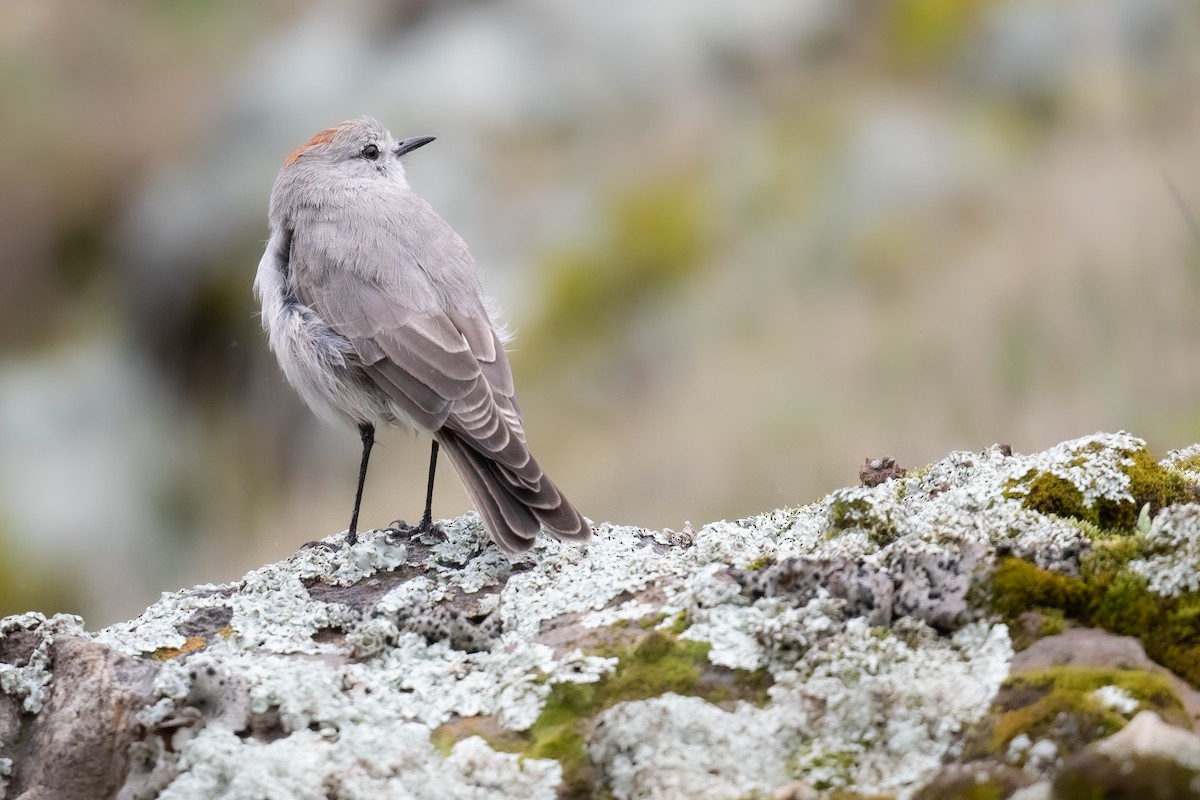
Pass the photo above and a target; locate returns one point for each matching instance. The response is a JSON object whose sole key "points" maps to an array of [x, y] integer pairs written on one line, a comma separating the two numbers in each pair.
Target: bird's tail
{"points": [[514, 503]]}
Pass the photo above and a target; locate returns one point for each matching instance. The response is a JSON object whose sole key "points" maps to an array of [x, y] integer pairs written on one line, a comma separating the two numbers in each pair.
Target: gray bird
{"points": [[373, 307]]}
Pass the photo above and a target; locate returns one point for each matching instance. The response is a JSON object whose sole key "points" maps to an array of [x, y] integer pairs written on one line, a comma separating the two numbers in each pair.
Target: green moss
{"points": [[1151, 487], [1053, 622], [1047, 493], [760, 563], [650, 622], [680, 624], [1089, 529], [1018, 586], [1108, 595], [659, 663], [1060, 704], [858, 513], [1152, 483]]}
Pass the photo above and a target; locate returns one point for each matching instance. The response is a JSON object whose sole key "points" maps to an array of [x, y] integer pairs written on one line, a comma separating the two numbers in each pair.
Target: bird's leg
{"points": [[426, 523], [367, 431], [427, 517]]}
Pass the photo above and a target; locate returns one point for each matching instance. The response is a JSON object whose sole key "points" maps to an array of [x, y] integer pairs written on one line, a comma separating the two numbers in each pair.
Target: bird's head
{"points": [[361, 146]]}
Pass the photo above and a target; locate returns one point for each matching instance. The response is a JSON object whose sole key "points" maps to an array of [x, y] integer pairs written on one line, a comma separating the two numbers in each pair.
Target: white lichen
{"points": [[30, 681], [873, 707], [1185, 461], [1096, 465], [1173, 564], [386, 759], [674, 746], [863, 709], [1117, 699]]}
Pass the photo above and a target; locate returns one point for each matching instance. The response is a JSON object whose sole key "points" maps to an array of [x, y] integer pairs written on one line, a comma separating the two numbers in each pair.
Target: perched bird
{"points": [[372, 305]]}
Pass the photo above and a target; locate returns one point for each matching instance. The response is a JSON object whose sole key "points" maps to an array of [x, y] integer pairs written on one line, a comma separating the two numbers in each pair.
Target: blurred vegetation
{"points": [[652, 238], [923, 33], [26, 584], [741, 248]]}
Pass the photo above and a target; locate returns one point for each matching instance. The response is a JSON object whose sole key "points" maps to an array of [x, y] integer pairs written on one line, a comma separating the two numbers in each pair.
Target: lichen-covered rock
{"points": [[856, 647]]}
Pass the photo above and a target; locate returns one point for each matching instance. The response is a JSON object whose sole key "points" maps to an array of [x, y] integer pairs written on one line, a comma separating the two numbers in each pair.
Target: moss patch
{"points": [[859, 513], [1110, 596], [659, 663], [1149, 484], [653, 663], [1060, 704], [759, 564]]}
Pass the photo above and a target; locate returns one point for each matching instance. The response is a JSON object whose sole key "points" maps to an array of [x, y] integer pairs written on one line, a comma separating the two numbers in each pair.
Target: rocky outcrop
{"points": [[864, 645]]}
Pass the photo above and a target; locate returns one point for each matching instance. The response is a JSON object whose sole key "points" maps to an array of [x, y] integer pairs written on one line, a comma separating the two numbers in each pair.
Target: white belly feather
{"points": [[318, 362]]}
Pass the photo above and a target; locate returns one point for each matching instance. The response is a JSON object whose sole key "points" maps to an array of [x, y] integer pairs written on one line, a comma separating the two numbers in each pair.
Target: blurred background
{"points": [[743, 247]]}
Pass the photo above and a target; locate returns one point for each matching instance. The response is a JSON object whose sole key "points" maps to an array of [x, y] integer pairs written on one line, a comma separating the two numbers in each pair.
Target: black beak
{"points": [[412, 143]]}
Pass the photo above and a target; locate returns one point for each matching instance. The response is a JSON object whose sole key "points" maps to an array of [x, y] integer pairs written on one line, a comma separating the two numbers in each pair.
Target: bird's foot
{"points": [[349, 540], [400, 528]]}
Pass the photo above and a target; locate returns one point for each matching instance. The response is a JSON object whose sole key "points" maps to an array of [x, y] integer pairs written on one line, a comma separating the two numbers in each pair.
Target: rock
{"points": [[974, 780], [875, 471], [796, 790], [1090, 647], [1147, 735], [1147, 759], [856, 645]]}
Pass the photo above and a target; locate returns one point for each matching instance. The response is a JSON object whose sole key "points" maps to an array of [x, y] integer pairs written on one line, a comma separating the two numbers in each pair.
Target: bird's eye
{"points": [[371, 152]]}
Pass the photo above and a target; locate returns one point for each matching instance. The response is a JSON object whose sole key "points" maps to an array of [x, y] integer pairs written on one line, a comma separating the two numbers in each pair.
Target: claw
{"points": [[399, 527], [350, 539]]}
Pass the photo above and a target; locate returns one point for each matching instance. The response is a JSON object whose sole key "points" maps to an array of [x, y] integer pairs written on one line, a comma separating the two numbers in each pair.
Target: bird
{"points": [[373, 307]]}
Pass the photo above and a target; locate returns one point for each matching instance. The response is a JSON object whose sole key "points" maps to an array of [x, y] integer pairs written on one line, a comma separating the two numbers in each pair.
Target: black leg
{"points": [[399, 526], [368, 440], [427, 517]]}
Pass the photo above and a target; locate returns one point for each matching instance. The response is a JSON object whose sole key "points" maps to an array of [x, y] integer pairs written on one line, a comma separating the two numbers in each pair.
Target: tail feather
{"points": [[514, 506]]}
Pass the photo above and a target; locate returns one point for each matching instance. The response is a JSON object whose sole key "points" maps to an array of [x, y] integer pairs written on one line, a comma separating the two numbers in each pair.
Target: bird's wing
{"points": [[445, 369]]}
